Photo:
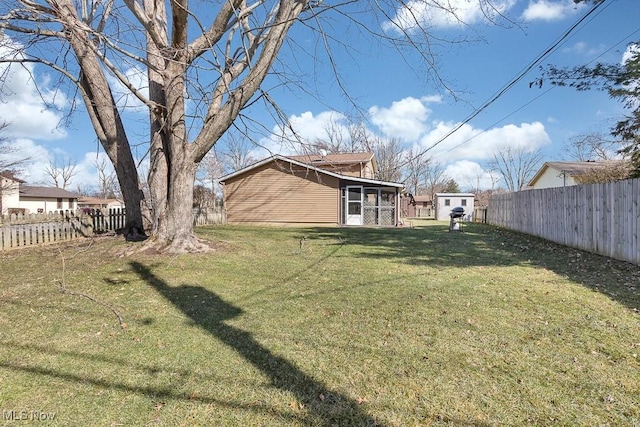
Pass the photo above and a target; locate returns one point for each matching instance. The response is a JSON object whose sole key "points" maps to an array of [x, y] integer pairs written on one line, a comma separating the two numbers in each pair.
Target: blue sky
{"points": [[394, 90]]}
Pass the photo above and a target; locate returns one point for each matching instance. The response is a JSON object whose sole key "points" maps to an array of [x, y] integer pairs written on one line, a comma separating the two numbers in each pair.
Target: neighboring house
{"points": [[417, 206], [98, 203], [424, 206], [563, 174], [445, 202], [283, 190], [30, 199], [9, 195]]}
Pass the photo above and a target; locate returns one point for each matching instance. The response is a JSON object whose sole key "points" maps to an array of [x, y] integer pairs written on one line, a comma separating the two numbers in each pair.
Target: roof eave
{"points": [[310, 167]]}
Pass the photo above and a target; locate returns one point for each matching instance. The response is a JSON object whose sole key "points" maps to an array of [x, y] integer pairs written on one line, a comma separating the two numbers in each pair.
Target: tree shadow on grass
{"points": [[209, 312], [151, 391], [485, 245]]}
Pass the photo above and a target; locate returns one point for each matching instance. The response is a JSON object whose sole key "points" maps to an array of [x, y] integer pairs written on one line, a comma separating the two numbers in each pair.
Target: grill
{"points": [[456, 214]]}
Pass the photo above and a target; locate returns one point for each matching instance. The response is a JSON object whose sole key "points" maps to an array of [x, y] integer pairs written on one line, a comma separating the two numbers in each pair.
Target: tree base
{"points": [[179, 245]]}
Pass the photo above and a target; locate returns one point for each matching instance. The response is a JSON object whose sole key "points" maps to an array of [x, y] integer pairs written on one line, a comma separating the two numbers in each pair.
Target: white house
{"points": [[445, 202], [564, 174], [17, 197], [9, 195]]}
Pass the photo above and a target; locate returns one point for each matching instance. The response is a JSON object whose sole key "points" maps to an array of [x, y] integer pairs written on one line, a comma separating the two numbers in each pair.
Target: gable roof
{"points": [[50, 192], [336, 159], [572, 169], [96, 201], [309, 166], [10, 176], [422, 198]]}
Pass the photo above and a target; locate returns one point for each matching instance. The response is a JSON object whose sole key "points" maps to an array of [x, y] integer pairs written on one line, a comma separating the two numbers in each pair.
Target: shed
{"points": [[445, 202]]}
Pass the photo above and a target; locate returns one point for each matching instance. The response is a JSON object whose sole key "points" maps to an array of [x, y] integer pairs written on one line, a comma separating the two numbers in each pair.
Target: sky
{"points": [[396, 93]]}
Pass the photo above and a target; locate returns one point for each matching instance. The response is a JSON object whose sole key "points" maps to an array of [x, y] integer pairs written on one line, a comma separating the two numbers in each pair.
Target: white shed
{"points": [[447, 201]]}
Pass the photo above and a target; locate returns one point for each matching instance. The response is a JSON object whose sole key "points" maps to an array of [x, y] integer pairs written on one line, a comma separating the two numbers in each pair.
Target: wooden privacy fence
{"points": [[600, 218]]}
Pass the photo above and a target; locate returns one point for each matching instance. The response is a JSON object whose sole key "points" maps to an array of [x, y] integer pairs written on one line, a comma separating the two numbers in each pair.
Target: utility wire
{"points": [[540, 95], [512, 83]]}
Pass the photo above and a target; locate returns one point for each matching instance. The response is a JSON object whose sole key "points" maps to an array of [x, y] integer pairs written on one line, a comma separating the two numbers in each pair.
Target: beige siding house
{"points": [[564, 174], [283, 190]]}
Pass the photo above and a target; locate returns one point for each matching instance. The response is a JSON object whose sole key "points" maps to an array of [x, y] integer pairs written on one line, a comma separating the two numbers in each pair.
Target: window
{"points": [[59, 203], [464, 202], [447, 202]]}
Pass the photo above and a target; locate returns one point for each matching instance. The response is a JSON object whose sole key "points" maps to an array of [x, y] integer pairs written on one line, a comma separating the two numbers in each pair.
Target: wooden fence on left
{"points": [[22, 230]]}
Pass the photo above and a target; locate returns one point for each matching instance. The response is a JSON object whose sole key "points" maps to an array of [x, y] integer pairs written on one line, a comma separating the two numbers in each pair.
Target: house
{"points": [[563, 174], [445, 202], [331, 190], [99, 203], [9, 195], [417, 206], [424, 206], [17, 197]]}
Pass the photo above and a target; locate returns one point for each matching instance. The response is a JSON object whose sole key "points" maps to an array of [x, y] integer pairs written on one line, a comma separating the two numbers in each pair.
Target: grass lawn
{"points": [[391, 327]]}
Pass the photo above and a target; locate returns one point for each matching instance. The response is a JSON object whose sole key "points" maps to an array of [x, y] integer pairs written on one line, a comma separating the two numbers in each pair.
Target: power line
{"points": [[513, 81], [493, 125]]}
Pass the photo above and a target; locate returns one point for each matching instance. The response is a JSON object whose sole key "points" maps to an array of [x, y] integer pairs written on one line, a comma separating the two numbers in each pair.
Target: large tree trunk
{"points": [[106, 120]]}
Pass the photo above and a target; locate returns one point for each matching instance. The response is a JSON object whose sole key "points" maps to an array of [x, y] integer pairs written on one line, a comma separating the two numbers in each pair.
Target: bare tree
{"points": [[593, 146], [338, 140], [389, 156], [209, 173], [435, 178], [609, 171], [237, 154], [61, 172], [516, 166], [416, 167], [199, 76], [101, 41], [11, 164], [107, 180]]}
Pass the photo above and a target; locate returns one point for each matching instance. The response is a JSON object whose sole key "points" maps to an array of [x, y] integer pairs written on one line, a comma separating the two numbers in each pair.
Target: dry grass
{"points": [[391, 327]]}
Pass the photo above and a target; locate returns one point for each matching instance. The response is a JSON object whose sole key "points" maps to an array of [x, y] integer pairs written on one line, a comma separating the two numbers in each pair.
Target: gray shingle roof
{"points": [[32, 191]]}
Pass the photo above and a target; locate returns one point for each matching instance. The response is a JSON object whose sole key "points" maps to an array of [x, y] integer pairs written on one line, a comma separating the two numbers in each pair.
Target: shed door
{"points": [[353, 206]]}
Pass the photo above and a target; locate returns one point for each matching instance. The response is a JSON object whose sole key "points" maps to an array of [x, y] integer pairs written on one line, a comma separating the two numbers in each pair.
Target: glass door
{"points": [[353, 206]]}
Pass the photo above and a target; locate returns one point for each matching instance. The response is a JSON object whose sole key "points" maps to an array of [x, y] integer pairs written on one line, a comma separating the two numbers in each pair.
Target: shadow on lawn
{"points": [[208, 311], [483, 245], [109, 384]]}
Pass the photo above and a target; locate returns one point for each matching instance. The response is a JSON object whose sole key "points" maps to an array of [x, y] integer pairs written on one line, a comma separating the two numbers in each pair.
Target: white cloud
{"points": [[474, 144], [32, 110], [304, 129], [549, 10], [137, 77], [583, 49], [405, 119], [470, 175], [38, 158], [416, 14], [34, 159]]}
